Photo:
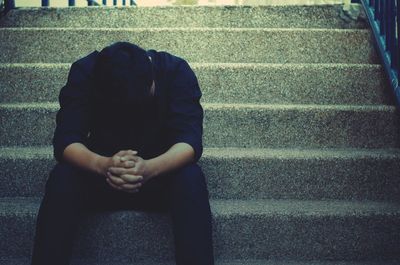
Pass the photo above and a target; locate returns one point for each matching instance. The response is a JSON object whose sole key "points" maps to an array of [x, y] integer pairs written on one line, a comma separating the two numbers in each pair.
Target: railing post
{"points": [[385, 24], [8, 5], [45, 3], [391, 41], [398, 38], [377, 11], [382, 15]]}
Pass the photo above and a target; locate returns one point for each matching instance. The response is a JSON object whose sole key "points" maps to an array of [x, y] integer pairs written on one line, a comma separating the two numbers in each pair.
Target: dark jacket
{"points": [[177, 117]]}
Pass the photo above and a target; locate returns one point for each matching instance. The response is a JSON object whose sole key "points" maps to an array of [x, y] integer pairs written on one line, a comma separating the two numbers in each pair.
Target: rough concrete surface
{"points": [[263, 229], [301, 133], [244, 173], [258, 45], [241, 125], [359, 84], [222, 262], [189, 16]]}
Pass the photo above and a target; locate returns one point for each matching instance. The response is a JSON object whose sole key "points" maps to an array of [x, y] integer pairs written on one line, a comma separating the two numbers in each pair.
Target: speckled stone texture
{"points": [[241, 125], [294, 229], [189, 16], [244, 173], [230, 83], [259, 45], [78, 261], [301, 133]]}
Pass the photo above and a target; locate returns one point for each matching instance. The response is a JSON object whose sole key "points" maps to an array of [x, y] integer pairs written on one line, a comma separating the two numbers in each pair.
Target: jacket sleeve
{"points": [[72, 119], [185, 113]]}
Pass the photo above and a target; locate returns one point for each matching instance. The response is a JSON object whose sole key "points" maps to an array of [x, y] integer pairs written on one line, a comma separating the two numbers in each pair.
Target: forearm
{"points": [[177, 156], [79, 155]]}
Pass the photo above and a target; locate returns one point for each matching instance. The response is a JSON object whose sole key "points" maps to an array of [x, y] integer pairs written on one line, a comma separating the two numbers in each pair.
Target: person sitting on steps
{"points": [[128, 136]]}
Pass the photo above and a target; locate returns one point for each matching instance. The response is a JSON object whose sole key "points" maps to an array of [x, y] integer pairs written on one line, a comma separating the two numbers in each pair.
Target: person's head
{"points": [[124, 76]]}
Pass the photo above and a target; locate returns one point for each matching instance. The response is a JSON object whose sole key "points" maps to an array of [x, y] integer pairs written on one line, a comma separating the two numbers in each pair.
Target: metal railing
{"points": [[10, 4], [384, 16]]}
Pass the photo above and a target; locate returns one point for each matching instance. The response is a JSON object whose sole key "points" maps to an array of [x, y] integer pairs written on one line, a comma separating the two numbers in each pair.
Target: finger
{"points": [[131, 178], [113, 185], [116, 180], [118, 162], [127, 152], [132, 171], [129, 157], [131, 186], [121, 153], [118, 157], [117, 171], [127, 167], [128, 164], [121, 188]]}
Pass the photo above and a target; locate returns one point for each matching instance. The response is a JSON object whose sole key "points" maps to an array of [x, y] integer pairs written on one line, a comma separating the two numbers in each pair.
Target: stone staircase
{"points": [[301, 133]]}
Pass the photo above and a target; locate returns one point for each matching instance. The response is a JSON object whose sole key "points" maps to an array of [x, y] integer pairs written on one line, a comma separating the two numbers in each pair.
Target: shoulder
{"points": [[79, 81], [87, 62], [171, 63], [81, 71], [85, 65], [176, 73]]}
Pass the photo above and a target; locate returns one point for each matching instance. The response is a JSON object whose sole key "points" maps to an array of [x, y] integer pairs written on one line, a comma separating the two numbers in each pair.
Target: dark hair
{"points": [[123, 74]]}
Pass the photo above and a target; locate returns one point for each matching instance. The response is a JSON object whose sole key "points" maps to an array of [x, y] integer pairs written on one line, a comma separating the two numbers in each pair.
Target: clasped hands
{"points": [[127, 171]]}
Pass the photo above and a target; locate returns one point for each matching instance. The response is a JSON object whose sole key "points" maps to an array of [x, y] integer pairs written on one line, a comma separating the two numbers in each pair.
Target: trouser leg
{"points": [[71, 192], [191, 216], [58, 216]]}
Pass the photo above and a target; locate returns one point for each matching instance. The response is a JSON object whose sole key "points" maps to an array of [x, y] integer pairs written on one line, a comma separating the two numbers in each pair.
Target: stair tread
{"points": [[254, 207], [25, 261], [338, 107], [222, 64], [30, 152], [321, 16], [288, 229], [191, 29], [255, 82], [285, 44], [237, 173]]}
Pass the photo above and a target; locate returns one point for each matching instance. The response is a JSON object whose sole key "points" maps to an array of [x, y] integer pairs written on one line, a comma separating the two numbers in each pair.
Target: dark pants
{"points": [[71, 191]]}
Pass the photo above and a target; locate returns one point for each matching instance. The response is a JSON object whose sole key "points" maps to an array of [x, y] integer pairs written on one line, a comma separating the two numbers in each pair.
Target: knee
{"points": [[189, 181], [63, 181]]}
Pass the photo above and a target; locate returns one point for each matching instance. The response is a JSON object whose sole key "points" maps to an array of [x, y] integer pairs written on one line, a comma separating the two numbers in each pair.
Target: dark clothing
{"points": [[175, 116], [70, 192]]}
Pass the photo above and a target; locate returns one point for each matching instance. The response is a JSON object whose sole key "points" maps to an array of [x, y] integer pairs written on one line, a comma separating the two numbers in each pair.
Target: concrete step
{"points": [[241, 125], [258, 45], [244, 173], [230, 83], [189, 16], [259, 229], [26, 261]]}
